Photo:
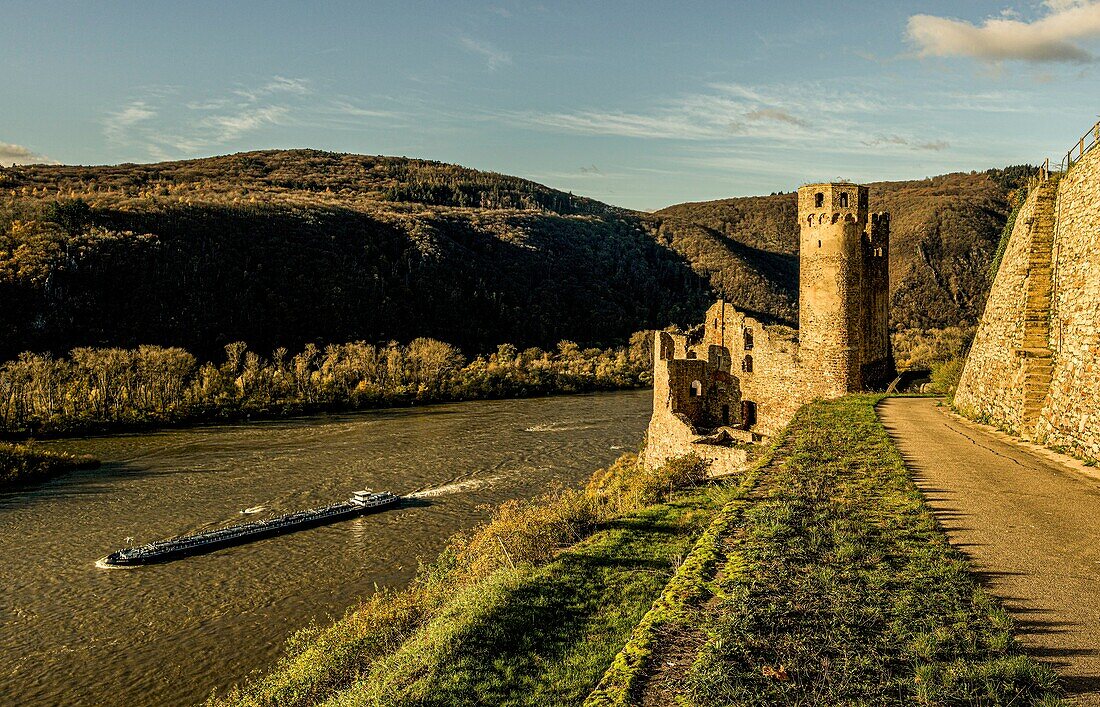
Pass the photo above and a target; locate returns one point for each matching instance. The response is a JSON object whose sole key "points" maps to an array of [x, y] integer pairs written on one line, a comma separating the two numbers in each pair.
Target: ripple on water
{"points": [[167, 634]]}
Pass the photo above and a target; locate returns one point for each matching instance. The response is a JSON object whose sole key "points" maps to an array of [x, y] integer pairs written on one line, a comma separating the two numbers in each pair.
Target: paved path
{"points": [[1030, 526]]}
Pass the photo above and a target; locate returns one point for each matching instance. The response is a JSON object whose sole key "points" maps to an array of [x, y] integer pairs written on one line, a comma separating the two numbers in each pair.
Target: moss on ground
{"points": [[848, 591]]}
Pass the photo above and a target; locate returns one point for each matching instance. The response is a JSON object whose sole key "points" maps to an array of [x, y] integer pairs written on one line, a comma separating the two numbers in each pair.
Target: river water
{"points": [[169, 634]]}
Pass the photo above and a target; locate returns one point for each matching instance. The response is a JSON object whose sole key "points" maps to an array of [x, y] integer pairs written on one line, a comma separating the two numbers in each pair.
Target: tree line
{"points": [[104, 389]]}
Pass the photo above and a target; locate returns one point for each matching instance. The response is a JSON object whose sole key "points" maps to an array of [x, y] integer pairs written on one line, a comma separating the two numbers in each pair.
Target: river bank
{"points": [[817, 577], [23, 464], [170, 634], [111, 390]]}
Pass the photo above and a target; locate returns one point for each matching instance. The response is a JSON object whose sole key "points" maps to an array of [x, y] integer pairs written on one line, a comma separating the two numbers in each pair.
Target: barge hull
{"points": [[217, 543]]}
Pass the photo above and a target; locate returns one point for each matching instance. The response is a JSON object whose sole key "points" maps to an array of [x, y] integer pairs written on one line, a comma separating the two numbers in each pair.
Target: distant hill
{"points": [[281, 248], [944, 232], [287, 247]]}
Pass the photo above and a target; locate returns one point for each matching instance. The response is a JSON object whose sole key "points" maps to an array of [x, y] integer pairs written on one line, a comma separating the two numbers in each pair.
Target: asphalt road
{"points": [[1030, 526]]}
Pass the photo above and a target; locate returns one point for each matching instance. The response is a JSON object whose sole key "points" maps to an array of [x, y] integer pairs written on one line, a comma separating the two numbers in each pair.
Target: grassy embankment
{"points": [[829, 583], [505, 615], [836, 587], [23, 464]]}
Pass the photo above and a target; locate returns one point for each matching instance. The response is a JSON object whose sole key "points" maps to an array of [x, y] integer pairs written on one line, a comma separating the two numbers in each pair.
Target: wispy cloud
{"points": [[909, 143], [166, 125], [11, 153], [493, 56], [118, 125], [777, 115], [1054, 37], [727, 111]]}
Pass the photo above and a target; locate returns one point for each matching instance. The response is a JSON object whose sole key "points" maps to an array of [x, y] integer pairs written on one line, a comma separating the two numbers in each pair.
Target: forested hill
{"points": [[284, 248], [944, 233]]}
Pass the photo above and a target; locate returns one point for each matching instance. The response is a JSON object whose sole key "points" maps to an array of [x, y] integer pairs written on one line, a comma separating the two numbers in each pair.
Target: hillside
{"points": [[284, 248], [944, 232]]}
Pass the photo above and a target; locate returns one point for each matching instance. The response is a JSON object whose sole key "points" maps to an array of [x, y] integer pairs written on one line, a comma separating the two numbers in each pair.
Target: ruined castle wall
{"points": [[764, 359], [1071, 413], [991, 388], [670, 433]]}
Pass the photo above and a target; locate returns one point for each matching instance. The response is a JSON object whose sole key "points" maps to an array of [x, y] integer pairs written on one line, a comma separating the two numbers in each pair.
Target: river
{"points": [[170, 634]]}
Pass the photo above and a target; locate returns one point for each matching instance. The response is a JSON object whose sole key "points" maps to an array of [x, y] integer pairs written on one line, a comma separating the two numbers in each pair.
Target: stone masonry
{"points": [[740, 381], [1034, 367]]}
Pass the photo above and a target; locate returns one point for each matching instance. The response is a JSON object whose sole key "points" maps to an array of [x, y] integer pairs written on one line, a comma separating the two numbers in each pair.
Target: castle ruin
{"points": [[740, 381]]}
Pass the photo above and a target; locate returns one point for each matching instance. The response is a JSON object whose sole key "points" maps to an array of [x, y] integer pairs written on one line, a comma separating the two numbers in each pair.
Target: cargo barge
{"points": [[360, 503]]}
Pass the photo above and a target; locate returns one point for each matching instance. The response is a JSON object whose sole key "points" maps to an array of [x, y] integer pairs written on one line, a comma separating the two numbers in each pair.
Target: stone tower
{"points": [[843, 293]]}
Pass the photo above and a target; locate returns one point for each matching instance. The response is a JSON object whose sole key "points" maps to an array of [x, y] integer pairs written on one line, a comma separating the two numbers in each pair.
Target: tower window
{"points": [[819, 244], [748, 339], [843, 201], [819, 200], [746, 365], [696, 389], [748, 413]]}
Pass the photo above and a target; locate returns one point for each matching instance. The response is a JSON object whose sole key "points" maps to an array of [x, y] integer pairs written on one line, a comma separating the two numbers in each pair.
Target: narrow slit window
{"points": [[819, 200], [843, 201], [696, 389]]}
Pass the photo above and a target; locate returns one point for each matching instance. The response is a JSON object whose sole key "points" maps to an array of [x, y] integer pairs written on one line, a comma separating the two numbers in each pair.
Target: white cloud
{"points": [[17, 154], [493, 56], [1054, 37], [225, 128], [909, 143], [777, 115], [166, 125], [119, 125], [727, 111]]}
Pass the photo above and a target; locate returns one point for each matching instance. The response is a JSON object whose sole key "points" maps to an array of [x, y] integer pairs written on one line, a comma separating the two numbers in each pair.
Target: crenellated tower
{"points": [[843, 294]]}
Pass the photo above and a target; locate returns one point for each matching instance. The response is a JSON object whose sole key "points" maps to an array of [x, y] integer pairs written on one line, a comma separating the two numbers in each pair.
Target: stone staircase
{"points": [[1035, 347]]}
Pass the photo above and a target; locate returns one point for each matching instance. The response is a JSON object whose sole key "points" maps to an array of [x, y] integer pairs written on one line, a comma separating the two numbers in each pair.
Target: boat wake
{"points": [[456, 487], [560, 427], [253, 509], [102, 564]]}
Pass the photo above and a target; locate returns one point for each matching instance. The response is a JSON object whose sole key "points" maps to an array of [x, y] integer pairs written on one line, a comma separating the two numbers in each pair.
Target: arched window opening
{"points": [[819, 200], [843, 201], [748, 413], [810, 220], [696, 389], [748, 339], [746, 364]]}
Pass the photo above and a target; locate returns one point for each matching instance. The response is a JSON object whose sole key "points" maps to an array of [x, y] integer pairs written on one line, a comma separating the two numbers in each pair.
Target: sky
{"points": [[639, 104]]}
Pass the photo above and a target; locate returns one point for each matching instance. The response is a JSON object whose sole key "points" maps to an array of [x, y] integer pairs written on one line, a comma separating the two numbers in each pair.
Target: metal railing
{"points": [[1088, 141]]}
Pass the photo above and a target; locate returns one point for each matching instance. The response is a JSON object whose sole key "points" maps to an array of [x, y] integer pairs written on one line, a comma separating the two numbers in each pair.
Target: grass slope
{"points": [[545, 638], [845, 591]]}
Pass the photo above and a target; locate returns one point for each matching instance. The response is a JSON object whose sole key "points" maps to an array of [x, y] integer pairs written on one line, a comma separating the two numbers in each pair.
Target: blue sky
{"points": [[641, 104]]}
